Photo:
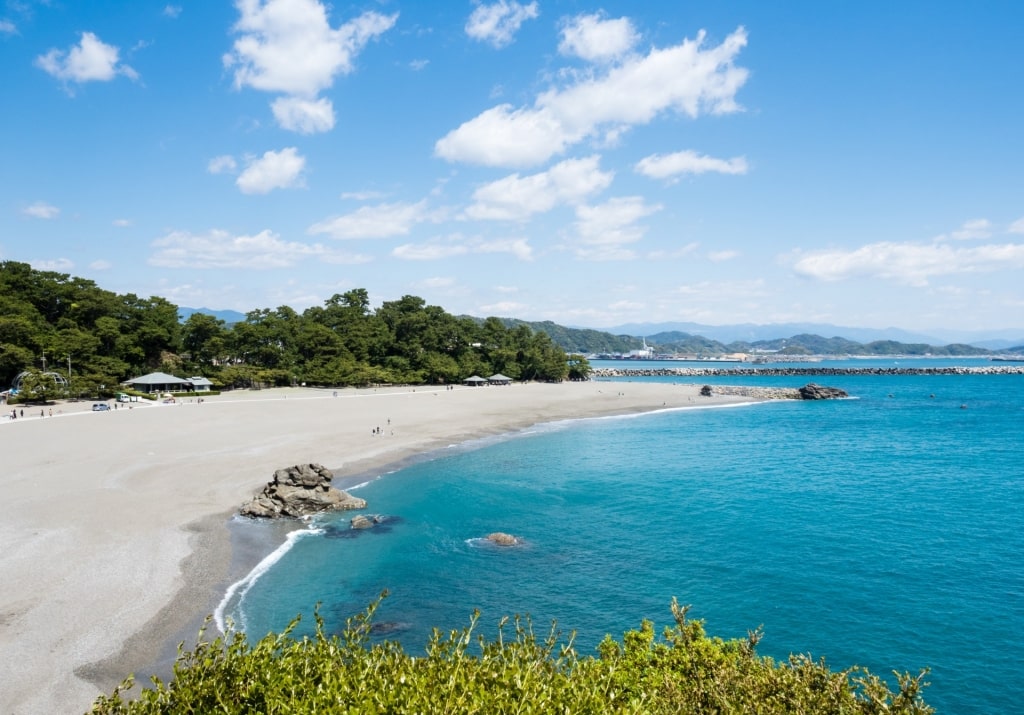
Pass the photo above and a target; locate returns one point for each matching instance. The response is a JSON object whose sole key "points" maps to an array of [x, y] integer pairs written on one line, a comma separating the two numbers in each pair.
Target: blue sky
{"points": [[593, 164]]}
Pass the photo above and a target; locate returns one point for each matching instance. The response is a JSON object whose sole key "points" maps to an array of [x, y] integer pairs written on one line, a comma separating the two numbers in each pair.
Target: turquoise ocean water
{"points": [[885, 531]]}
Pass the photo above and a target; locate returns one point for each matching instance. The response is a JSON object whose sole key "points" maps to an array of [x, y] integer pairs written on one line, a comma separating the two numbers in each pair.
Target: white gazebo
{"points": [[474, 381], [499, 379]]}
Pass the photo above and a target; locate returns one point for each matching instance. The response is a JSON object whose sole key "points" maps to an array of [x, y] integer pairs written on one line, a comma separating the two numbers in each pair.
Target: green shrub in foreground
{"points": [[683, 672]]}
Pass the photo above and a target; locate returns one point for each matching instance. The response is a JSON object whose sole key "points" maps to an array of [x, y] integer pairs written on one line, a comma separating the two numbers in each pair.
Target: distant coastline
{"points": [[803, 371]]}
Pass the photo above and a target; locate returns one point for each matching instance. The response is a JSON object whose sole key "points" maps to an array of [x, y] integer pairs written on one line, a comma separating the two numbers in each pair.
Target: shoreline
{"points": [[118, 522]]}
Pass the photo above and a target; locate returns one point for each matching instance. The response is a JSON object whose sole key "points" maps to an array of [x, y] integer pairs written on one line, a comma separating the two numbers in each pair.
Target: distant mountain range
{"points": [[228, 316], [588, 341], [751, 332], [820, 338]]}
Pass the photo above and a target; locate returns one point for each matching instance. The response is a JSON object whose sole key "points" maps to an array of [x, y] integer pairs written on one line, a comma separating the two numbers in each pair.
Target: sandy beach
{"points": [[114, 524]]}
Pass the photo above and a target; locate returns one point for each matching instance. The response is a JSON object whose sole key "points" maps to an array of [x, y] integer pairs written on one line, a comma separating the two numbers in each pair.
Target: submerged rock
{"points": [[502, 539], [298, 491], [367, 521]]}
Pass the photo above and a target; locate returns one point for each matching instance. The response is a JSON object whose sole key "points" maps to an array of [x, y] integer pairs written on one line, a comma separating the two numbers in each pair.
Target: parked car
{"points": [[100, 407]]}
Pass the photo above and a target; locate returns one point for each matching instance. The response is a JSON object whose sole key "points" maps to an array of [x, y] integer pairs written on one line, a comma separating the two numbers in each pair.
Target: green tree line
{"points": [[96, 338]]}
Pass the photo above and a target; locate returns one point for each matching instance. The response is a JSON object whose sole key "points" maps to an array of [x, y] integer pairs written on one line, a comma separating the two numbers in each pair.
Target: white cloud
{"points": [[289, 46], [721, 256], [503, 136], [59, 265], [595, 39], [606, 229], [626, 305], [220, 249], [680, 252], [910, 263], [362, 195], [172, 11], [507, 307], [518, 247], [428, 251], [437, 282], [687, 78], [8, 28], [970, 230], [380, 221], [274, 170], [458, 246], [303, 115], [665, 166], [497, 23], [417, 65], [122, 222], [222, 164], [89, 60], [516, 198], [41, 209], [728, 292], [1017, 226]]}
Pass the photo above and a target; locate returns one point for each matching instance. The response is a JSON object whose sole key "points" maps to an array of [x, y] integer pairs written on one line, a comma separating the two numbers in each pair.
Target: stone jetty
{"points": [[605, 372]]}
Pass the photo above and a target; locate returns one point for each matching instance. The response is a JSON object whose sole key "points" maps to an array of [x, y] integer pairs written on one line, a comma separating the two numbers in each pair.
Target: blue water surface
{"points": [[884, 531]]}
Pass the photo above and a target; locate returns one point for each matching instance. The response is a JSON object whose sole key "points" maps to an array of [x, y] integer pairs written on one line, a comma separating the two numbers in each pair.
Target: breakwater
{"points": [[803, 371]]}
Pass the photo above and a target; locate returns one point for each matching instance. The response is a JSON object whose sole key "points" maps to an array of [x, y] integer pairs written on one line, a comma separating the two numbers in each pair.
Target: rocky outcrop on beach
{"points": [[810, 391], [813, 391], [300, 491]]}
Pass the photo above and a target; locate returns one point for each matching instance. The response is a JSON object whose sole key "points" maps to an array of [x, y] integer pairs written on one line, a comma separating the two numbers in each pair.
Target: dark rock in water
{"points": [[367, 521], [386, 627], [705, 391], [813, 391], [503, 539], [333, 531], [300, 491]]}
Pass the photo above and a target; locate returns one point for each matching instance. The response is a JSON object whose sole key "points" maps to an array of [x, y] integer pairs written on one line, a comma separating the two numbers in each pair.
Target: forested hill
{"points": [[53, 322], [580, 340], [808, 345], [588, 342]]}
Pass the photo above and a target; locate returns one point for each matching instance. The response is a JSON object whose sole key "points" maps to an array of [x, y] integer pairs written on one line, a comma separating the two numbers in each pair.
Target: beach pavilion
{"points": [[200, 384], [499, 379], [474, 381], [158, 382]]}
